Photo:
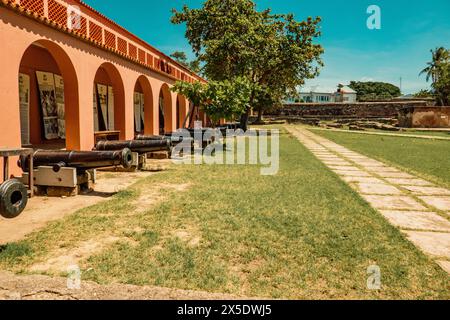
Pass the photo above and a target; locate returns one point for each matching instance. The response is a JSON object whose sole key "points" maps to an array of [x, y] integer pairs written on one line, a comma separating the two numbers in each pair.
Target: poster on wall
{"points": [[102, 91], [110, 108], [49, 107], [24, 100], [142, 110], [60, 103], [137, 111], [96, 128]]}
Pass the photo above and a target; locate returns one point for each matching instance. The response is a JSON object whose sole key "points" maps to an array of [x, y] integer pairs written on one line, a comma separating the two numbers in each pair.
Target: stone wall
{"points": [[425, 117], [339, 110]]}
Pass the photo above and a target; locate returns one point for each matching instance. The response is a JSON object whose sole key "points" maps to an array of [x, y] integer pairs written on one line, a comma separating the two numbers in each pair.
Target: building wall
{"points": [[78, 62]]}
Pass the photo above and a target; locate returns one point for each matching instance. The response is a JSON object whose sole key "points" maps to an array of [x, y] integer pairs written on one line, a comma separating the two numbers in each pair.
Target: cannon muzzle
{"points": [[81, 160]]}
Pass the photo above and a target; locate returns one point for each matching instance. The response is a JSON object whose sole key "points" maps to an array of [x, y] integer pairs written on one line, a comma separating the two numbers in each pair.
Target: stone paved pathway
{"points": [[417, 207]]}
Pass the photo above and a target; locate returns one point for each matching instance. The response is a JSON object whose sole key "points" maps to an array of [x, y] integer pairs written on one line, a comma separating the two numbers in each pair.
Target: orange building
{"points": [[103, 77]]}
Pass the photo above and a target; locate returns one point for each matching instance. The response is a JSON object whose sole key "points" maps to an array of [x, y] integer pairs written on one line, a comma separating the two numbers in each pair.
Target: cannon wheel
{"points": [[13, 198]]}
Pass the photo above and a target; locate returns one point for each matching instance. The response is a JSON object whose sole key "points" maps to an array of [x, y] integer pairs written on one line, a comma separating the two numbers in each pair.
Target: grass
{"points": [[415, 132], [302, 234], [427, 158]]}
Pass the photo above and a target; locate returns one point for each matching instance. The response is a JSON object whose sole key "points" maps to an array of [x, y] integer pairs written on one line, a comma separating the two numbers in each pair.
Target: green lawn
{"points": [[300, 234], [413, 132], [424, 157]]}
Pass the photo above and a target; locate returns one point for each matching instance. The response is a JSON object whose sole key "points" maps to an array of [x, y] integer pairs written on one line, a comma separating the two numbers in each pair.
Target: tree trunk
{"points": [[244, 120], [260, 115]]}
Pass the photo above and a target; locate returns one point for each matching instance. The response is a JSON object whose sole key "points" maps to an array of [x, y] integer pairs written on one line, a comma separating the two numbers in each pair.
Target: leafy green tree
{"points": [[438, 70], [226, 99], [181, 57], [372, 91], [273, 51]]}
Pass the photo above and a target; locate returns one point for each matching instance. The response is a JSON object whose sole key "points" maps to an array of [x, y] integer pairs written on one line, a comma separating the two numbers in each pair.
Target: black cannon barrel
{"points": [[139, 146], [151, 137], [174, 138], [82, 160]]}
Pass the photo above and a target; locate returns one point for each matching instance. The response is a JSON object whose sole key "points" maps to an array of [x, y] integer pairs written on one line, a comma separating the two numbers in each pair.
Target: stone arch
{"points": [[49, 57], [115, 118], [144, 87], [165, 110]]}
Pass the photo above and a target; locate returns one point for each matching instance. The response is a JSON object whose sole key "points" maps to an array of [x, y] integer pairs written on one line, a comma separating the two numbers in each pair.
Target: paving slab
{"points": [[361, 179], [330, 158], [432, 243], [378, 188], [371, 163], [394, 202], [345, 168], [402, 175], [348, 173], [418, 220], [441, 203], [336, 163], [428, 191], [409, 182], [381, 169], [444, 265], [356, 158]]}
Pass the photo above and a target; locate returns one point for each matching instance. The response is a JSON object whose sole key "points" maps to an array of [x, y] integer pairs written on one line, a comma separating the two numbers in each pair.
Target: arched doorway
{"points": [[48, 98], [109, 101], [143, 105], [165, 110], [182, 112]]}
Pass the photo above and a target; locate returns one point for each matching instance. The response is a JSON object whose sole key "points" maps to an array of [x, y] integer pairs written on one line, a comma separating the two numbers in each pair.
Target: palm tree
{"points": [[437, 70], [439, 56]]}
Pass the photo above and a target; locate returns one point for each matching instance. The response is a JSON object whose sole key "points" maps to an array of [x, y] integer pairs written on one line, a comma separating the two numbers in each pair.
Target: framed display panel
{"points": [[110, 108], [47, 95], [60, 103], [95, 105], [24, 101], [102, 96]]}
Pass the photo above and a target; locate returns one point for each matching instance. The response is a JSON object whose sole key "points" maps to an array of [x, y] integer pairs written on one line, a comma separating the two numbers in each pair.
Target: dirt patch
{"points": [[189, 236], [42, 210], [62, 259], [149, 197], [46, 288]]}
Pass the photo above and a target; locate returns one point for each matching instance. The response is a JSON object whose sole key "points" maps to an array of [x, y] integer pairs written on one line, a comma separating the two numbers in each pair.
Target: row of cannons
{"points": [[59, 170]]}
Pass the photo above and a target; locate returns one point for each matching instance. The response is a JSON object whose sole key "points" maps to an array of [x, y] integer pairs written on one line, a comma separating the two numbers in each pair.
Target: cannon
{"points": [[81, 160], [13, 198], [172, 137], [137, 146]]}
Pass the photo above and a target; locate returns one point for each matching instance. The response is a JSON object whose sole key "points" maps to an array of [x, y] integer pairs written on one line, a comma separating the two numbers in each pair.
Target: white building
{"points": [[321, 95], [345, 94]]}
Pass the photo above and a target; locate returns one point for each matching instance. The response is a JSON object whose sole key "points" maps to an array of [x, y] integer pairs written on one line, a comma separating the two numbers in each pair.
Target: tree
{"points": [[224, 99], [181, 58], [274, 52], [439, 56], [372, 91], [424, 94], [438, 70]]}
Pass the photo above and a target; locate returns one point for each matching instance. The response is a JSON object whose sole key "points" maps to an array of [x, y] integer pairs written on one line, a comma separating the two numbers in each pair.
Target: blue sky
{"points": [[409, 29]]}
